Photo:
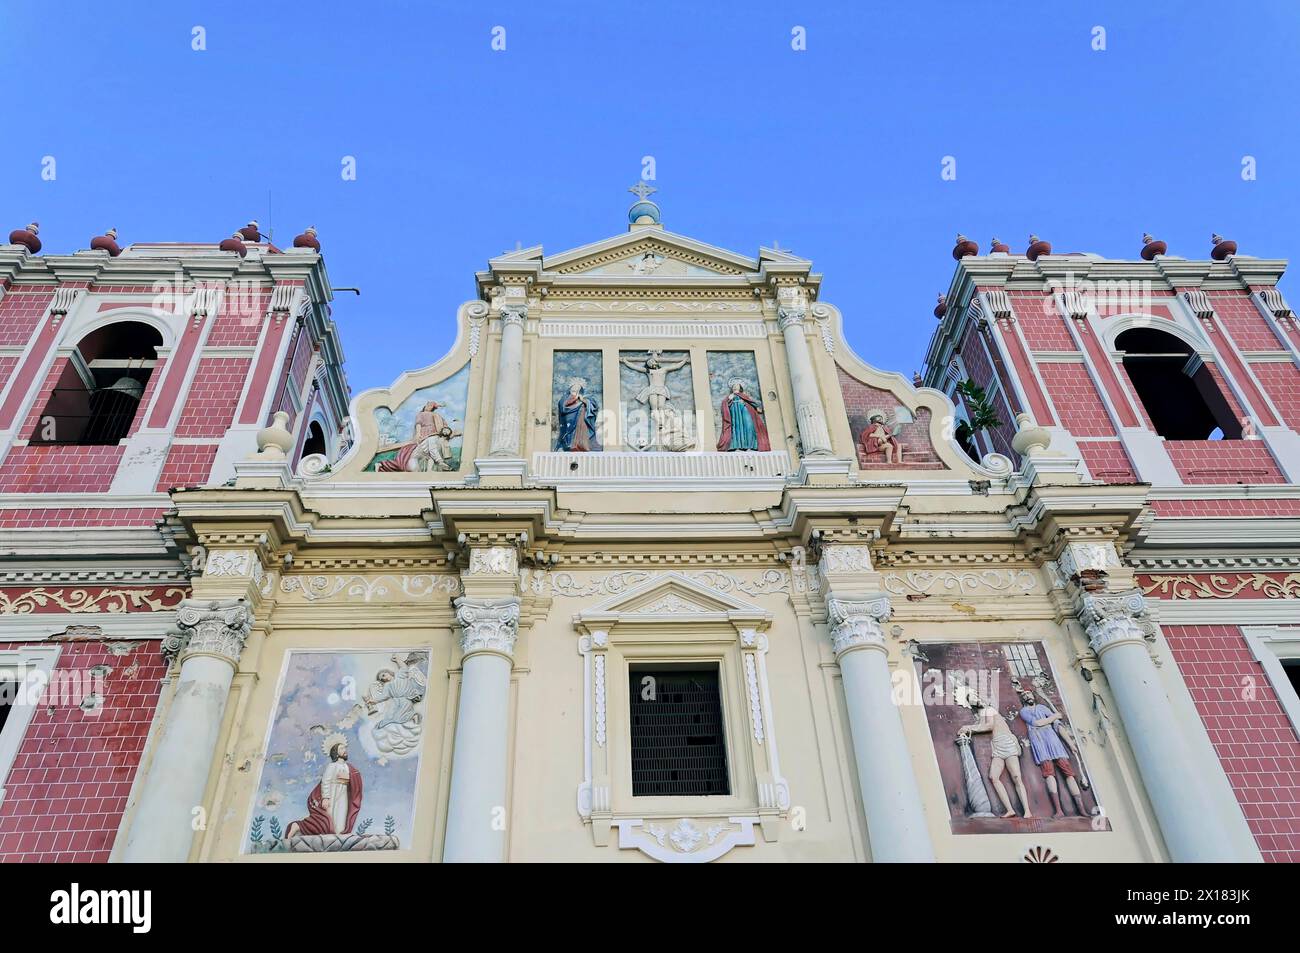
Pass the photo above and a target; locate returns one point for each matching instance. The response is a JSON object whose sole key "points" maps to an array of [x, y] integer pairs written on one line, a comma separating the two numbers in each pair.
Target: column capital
{"points": [[514, 313], [488, 625], [1116, 619], [789, 316], [216, 627], [856, 623]]}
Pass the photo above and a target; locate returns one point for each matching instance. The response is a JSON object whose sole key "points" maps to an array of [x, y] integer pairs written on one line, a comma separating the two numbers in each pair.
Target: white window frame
{"points": [[1270, 644], [32, 666]]}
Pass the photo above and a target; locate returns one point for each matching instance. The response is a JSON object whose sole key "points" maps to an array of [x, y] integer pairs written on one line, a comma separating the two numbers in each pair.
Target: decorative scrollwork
{"points": [[1192, 586], [1015, 581], [369, 588], [89, 600]]}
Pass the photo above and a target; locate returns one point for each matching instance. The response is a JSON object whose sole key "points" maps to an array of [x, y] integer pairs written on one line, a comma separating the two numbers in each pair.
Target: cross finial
{"points": [[641, 190], [776, 246]]}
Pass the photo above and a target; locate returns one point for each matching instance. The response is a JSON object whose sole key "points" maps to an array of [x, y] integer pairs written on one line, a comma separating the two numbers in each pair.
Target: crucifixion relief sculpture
{"points": [[667, 428]]}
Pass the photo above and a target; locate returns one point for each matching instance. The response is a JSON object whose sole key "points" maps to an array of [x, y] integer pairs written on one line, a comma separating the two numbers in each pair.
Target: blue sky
{"points": [[834, 151]]}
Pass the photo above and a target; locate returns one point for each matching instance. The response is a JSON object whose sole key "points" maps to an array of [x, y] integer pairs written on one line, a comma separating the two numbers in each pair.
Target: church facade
{"points": [[652, 567]]}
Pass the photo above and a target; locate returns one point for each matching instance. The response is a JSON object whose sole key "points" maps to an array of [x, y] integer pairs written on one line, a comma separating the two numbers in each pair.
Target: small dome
{"points": [[643, 212]]}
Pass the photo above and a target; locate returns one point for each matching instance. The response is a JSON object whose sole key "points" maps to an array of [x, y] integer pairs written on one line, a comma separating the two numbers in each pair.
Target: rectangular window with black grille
{"points": [[678, 745]]}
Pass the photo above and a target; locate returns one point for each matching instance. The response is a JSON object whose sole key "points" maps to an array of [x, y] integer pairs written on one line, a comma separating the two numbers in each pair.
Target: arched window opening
{"points": [[98, 393], [1178, 391], [315, 442]]}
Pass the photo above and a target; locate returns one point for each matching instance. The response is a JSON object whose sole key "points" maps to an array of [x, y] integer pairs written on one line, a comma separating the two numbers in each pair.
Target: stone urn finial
{"points": [[1030, 440], [964, 248], [234, 243], [307, 239], [941, 308], [27, 237], [1152, 246], [251, 232], [1037, 248], [1223, 247], [997, 247], [275, 441], [106, 242]]}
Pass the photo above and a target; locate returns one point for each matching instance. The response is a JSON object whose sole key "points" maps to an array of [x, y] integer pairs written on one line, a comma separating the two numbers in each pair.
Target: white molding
{"points": [[29, 661], [1224, 611], [38, 626], [1269, 645], [631, 471], [657, 842]]}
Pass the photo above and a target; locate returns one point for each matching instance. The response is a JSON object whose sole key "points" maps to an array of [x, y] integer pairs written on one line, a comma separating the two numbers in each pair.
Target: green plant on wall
{"points": [[981, 413]]}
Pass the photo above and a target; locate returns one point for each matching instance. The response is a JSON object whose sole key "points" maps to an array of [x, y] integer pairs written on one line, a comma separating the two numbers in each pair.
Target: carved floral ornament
{"points": [[1205, 586], [488, 625], [1112, 620], [857, 623], [89, 599], [218, 627], [386, 587]]}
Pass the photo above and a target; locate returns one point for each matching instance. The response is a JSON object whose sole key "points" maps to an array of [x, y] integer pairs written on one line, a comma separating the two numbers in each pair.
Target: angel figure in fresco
{"points": [[743, 424], [1006, 754], [880, 437], [335, 802], [429, 447], [577, 416], [392, 697], [666, 428]]}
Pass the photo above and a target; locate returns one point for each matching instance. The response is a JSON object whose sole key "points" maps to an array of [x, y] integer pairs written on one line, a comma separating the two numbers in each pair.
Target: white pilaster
{"points": [[1115, 627], [476, 809], [208, 640], [808, 410], [890, 795], [506, 413]]}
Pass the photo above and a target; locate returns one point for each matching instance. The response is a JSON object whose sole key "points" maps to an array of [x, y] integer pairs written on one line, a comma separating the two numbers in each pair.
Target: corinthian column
{"points": [[808, 409], [1116, 626], [476, 809], [207, 642], [890, 796], [510, 366]]}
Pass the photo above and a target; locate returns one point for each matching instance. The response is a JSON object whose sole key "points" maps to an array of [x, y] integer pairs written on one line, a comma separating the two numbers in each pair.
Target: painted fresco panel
{"points": [[657, 400], [974, 688], [570, 422], [426, 432], [343, 753]]}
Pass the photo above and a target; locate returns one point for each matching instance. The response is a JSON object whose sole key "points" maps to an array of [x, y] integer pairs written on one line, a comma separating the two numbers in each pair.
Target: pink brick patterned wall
{"points": [[61, 517], [860, 399], [68, 787], [187, 465], [1281, 382], [59, 469], [19, 313], [1223, 461], [214, 395], [982, 373], [1108, 461], [1244, 322], [1041, 322], [1202, 509], [239, 323], [1076, 399], [1250, 732], [7, 365]]}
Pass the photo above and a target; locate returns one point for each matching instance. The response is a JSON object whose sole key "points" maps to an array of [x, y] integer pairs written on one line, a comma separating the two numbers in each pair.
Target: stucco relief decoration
{"points": [[1113, 619], [958, 582], [343, 754], [42, 599], [767, 582], [856, 623], [739, 418], [577, 401], [1087, 560], [493, 560], [885, 432], [487, 625], [370, 588], [1206, 586], [233, 562], [686, 841], [658, 400], [218, 627], [839, 560], [424, 434], [1009, 757]]}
